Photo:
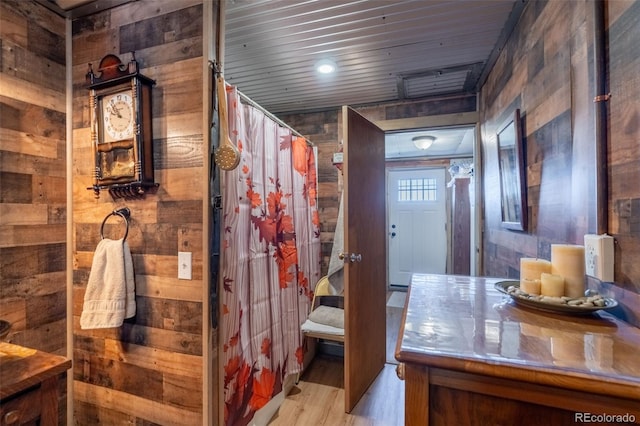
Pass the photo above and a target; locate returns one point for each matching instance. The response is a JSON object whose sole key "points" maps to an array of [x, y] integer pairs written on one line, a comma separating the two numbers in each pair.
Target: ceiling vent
{"points": [[459, 79], [79, 8]]}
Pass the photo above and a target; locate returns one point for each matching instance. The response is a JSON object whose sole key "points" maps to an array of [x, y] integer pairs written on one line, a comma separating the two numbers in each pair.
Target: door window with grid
{"points": [[423, 189]]}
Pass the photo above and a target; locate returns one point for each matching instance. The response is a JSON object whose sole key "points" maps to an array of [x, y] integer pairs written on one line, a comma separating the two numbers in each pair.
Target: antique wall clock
{"points": [[121, 130]]}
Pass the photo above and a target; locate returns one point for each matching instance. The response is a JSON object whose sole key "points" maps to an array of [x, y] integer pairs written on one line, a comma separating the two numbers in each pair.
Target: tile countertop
{"points": [[463, 323]]}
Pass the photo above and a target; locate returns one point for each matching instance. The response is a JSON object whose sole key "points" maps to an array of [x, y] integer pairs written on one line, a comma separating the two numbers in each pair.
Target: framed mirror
{"points": [[513, 195]]}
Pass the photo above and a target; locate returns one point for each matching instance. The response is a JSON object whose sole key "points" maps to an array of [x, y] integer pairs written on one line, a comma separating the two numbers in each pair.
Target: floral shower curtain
{"points": [[270, 258]]}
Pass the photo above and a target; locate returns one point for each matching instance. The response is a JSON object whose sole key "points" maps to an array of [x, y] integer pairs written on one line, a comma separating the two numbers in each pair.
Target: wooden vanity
{"points": [[29, 381], [473, 357]]}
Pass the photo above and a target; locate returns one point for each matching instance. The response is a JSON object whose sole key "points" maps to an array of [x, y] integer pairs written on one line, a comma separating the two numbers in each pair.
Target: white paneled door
{"points": [[417, 217]]}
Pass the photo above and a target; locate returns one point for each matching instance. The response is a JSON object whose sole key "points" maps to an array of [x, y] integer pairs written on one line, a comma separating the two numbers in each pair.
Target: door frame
{"points": [[449, 120]]}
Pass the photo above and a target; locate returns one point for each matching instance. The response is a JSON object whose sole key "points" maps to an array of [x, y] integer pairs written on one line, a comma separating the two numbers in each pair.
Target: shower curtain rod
{"points": [[273, 117]]}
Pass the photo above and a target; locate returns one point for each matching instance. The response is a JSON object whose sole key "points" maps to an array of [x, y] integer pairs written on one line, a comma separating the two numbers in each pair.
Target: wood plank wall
{"points": [[546, 70], [623, 32], [323, 130], [32, 176], [33, 210], [150, 370]]}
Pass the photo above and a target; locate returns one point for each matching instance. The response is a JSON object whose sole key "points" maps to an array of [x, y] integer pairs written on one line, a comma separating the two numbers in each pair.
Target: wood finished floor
{"points": [[318, 399]]}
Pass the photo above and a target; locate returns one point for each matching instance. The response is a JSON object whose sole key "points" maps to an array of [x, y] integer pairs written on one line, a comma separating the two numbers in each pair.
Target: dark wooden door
{"points": [[365, 238]]}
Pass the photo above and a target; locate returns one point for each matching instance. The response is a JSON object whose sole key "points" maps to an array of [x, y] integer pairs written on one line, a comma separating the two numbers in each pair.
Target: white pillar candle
{"points": [[531, 268], [552, 285], [530, 286], [567, 260]]}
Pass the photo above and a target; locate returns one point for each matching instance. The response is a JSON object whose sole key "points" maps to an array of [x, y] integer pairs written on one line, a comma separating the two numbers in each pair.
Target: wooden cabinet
{"points": [[473, 358], [29, 381], [22, 409]]}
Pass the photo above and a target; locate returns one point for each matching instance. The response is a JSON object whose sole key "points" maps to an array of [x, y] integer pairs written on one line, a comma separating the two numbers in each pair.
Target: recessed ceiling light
{"points": [[326, 66]]}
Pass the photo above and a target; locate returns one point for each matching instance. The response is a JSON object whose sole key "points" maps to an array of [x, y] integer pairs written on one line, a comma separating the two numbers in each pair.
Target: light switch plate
{"points": [[184, 265], [338, 157], [598, 256]]}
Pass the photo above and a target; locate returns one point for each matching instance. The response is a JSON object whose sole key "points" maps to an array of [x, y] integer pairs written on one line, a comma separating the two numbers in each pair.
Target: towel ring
{"points": [[125, 214]]}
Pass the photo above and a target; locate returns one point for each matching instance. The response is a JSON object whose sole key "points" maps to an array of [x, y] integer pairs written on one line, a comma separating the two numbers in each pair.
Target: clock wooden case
{"points": [[121, 128]]}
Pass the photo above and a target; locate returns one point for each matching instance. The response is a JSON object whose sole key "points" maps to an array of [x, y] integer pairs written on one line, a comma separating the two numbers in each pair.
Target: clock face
{"points": [[117, 116]]}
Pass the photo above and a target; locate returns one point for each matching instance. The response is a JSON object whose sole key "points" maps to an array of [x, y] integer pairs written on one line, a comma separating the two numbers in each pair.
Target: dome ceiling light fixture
{"points": [[326, 66], [423, 142]]}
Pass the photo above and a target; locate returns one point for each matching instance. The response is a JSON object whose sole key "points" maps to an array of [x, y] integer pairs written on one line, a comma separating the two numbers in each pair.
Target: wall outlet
{"points": [[598, 256], [184, 265]]}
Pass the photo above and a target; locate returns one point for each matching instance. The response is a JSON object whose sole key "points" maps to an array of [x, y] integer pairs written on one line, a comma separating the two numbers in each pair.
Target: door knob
{"points": [[350, 257]]}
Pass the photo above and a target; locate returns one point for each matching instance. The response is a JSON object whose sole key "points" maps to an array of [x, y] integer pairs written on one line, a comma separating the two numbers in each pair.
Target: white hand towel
{"points": [[110, 294], [336, 265]]}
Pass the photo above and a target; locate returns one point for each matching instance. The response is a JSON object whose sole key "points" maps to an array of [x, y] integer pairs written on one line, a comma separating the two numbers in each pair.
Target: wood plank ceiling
{"points": [[384, 50]]}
